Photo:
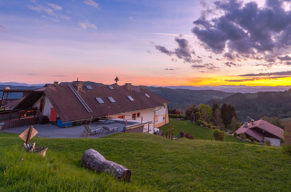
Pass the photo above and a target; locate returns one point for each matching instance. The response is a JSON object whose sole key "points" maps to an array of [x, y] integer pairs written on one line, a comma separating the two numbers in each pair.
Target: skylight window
{"points": [[99, 100], [130, 98], [111, 87], [89, 87], [111, 99], [147, 95]]}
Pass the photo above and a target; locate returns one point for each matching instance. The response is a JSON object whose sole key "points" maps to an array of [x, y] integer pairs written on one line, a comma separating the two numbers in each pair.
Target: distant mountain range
{"points": [[182, 98], [235, 89]]}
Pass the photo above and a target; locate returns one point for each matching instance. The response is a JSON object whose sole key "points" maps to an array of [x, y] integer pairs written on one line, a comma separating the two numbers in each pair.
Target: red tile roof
{"points": [[69, 107], [263, 125]]}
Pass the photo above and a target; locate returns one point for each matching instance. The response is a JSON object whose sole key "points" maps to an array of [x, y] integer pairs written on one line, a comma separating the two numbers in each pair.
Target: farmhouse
{"points": [[262, 131], [67, 104]]}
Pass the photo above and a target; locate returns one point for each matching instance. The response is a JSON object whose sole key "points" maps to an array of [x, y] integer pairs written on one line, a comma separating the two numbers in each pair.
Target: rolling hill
{"points": [[182, 98], [157, 164], [260, 104]]}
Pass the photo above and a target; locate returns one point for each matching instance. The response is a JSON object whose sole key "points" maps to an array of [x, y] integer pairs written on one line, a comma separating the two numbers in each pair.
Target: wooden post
{"points": [[148, 127]]}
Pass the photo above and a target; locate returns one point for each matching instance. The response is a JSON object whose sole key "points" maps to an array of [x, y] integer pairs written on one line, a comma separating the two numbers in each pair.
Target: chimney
{"points": [[78, 85]]}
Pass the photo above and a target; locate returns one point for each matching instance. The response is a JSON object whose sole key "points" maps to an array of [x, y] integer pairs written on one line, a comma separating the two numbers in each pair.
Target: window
{"points": [[147, 95], [138, 114], [111, 87], [133, 116], [130, 98], [89, 87], [111, 99], [99, 100]]}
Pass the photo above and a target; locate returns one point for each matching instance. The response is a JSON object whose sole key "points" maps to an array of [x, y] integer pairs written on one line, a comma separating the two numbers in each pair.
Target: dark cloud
{"points": [[208, 66], [285, 58], [169, 69], [164, 50], [229, 56], [230, 64], [246, 29], [278, 74], [183, 51]]}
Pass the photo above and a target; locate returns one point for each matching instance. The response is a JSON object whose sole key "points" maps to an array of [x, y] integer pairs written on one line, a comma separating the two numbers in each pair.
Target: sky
{"points": [[146, 42]]}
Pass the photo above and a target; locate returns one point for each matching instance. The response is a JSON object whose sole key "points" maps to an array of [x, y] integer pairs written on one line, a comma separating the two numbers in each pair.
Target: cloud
{"points": [[246, 29], [88, 26], [183, 51], [278, 74], [49, 9], [230, 64], [91, 3], [208, 66], [55, 7], [164, 50], [169, 69], [284, 58]]}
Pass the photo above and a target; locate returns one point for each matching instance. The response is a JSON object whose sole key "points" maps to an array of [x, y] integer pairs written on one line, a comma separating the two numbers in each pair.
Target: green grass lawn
{"points": [[157, 164], [196, 131]]}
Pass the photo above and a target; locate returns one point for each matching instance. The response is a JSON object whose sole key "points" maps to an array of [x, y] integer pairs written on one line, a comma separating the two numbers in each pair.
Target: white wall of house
{"points": [[158, 117], [47, 106], [273, 141]]}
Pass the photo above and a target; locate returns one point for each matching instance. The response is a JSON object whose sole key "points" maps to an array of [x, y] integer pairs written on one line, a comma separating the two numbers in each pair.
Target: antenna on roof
{"points": [[116, 79]]}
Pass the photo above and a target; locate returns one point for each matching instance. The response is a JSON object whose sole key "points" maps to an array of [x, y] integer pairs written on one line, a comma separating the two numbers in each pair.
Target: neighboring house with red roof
{"points": [[76, 103], [262, 131]]}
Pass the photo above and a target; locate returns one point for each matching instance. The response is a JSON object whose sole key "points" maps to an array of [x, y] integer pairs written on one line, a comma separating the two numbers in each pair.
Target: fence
{"points": [[19, 122]]}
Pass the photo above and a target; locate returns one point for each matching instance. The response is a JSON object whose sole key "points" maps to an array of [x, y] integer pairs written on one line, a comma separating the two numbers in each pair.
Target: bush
{"points": [[177, 116], [182, 134], [268, 143], [188, 136], [199, 122], [287, 148], [218, 135], [213, 127]]}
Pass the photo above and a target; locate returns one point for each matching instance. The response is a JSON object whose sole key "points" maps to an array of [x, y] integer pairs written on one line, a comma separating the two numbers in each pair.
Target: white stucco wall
{"points": [[47, 106], [147, 115], [273, 141]]}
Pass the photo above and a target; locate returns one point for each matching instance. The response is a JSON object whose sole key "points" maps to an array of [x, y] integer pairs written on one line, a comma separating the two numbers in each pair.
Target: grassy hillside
{"points": [[182, 98], [196, 131], [261, 104], [157, 164]]}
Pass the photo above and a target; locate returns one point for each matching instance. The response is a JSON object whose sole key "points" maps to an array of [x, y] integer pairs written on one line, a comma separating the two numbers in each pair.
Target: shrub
{"points": [[188, 136], [176, 116], [243, 136], [218, 135], [287, 148], [213, 127], [182, 134], [199, 122], [268, 143]]}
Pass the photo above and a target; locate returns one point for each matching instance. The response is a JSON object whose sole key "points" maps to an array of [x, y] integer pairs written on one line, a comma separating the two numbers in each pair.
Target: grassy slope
{"points": [[157, 164], [196, 131]]}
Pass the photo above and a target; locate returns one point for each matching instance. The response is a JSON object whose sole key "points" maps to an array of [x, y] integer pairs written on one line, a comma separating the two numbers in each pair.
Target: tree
{"points": [[216, 116], [227, 113], [190, 113], [206, 112], [234, 125]]}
